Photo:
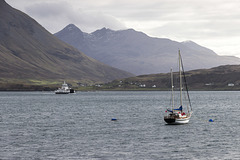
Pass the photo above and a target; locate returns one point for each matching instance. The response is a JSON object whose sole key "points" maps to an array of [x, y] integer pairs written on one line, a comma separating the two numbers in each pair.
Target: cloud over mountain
{"points": [[87, 20]]}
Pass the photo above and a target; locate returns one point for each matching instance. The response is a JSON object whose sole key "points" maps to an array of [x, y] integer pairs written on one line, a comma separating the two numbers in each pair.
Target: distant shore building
{"points": [[230, 85], [209, 84]]}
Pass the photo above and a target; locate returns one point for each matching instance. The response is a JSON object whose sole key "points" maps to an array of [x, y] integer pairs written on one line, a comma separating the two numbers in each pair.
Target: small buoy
{"points": [[210, 120], [114, 119]]}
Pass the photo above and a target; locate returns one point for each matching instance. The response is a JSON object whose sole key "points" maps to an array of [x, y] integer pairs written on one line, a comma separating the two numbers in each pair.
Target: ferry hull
{"points": [[62, 92]]}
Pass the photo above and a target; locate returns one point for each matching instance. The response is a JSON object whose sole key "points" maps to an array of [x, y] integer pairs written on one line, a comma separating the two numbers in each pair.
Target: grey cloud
{"points": [[46, 10], [58, 14]]}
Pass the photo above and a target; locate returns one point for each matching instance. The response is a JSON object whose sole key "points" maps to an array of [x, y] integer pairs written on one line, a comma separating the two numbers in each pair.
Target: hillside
{"points": [[28, 51], [138, 53], [218, 78]]}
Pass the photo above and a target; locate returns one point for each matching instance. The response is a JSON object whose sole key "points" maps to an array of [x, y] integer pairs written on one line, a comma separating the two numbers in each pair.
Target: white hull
{"points": [[61, 92], [181, 121], [171, 120]]}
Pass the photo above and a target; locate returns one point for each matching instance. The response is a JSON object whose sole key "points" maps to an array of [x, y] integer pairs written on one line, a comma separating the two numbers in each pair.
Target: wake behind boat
{"points": [[177, 115], [64, 89]]}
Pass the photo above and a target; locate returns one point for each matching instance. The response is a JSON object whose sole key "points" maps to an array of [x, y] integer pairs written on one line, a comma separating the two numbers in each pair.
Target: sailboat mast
{"points": [[180, 77], [172, 89]]}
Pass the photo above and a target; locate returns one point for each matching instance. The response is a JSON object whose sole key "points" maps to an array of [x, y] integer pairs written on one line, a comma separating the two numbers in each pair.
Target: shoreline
{"points": [[122, 90]]}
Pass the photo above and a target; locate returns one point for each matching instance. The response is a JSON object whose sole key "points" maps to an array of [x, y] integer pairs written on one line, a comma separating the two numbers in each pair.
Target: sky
{"points": [[214, 24]]}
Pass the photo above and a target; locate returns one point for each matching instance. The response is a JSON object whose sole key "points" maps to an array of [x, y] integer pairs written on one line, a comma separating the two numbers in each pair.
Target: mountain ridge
{"points": [[29, 51], [138, 53]]}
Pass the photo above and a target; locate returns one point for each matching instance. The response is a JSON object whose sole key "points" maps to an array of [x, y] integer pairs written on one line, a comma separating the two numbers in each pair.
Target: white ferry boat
{"points": [[64, 89]]}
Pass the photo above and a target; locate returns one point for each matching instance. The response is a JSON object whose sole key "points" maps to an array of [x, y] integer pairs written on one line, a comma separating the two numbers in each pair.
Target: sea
{"points": [[117, 125]]}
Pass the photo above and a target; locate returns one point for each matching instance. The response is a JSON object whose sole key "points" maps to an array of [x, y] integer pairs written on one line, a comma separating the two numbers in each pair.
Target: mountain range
{"points": [[28, 51], [139, 53]]}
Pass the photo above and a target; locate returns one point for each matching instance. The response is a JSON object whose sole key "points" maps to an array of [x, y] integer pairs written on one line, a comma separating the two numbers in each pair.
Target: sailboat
{"points": [[178, 115]]}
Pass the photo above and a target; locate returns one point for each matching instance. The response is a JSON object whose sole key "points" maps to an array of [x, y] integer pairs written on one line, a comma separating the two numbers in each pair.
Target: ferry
{"points": [[64, 89]]}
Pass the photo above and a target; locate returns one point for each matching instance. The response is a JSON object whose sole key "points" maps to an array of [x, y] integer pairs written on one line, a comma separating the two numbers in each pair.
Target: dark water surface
{"points": [[42, 125]]}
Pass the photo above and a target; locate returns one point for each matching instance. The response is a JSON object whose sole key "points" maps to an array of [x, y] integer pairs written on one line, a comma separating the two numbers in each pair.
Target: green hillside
{"points": [[217, 78], [30, 53]]}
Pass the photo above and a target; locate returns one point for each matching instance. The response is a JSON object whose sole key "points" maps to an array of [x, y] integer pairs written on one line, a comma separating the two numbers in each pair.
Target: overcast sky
{"points": [[214, 24]]}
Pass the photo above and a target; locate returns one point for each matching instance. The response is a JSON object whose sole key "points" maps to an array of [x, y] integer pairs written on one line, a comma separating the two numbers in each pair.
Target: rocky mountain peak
{"points": [[102, 32], [138, 53], [73, 32], [72, 28]]}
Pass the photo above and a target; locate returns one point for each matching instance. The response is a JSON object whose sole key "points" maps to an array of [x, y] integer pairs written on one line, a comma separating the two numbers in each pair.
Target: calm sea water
{"points": [[42, 125]]}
